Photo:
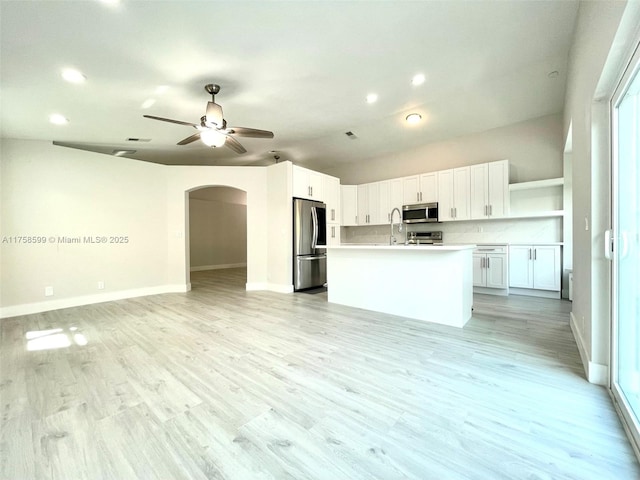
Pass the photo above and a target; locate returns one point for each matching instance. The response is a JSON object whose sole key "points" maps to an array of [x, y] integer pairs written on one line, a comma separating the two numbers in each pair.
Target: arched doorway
{"points": [[216, 232]]}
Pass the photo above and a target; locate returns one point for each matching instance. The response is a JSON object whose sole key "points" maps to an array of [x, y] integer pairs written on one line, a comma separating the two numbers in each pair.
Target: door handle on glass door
{"points": [[608, 244]]}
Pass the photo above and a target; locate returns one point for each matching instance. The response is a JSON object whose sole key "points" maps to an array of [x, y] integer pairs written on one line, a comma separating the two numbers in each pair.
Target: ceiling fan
{"points": [[213, 130]]}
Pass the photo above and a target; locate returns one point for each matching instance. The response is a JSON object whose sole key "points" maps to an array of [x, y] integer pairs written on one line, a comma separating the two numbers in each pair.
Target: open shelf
{"points": [[542, 214], [550, 182]]}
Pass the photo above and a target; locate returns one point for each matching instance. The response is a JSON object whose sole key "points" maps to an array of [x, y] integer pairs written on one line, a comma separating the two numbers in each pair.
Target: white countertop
{"points": [[421, 248]]}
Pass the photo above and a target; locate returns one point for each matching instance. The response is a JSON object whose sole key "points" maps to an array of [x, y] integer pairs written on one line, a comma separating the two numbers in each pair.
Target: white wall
{"points": [[534, 149], [52, 191], [181, 180], [601, 41], [280, 231], [55, 192]]}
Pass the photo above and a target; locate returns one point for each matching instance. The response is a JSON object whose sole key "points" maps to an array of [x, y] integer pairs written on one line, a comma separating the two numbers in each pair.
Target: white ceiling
{"points": [[301, 69]]}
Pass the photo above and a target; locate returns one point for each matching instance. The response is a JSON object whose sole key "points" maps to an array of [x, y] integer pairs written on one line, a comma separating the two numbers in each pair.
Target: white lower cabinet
{"points": [[535, 270], [491, 269]]}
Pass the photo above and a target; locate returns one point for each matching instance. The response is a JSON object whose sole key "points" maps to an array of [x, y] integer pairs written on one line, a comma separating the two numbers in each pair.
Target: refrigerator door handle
{"points": [[311, 259], [314, 218]]}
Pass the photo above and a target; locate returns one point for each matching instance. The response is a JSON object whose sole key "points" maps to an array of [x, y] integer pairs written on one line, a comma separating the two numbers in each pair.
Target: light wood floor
{"points": [[220, 383]]}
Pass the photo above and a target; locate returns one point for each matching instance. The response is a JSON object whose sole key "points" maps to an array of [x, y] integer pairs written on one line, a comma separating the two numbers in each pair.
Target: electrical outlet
{"points": [[100, 285], [48, 291]]}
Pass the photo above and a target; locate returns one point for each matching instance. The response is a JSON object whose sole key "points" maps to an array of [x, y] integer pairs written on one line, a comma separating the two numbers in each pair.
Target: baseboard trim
{"points": [[38, 307], [271, 287], [596, 373], [530, 292], [217, 267], [492, 291]]}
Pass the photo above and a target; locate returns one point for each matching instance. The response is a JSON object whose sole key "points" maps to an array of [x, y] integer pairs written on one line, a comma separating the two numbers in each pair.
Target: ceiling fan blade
{"points": [[234, 145], [192, 138], [179, 122], [249, 132]]}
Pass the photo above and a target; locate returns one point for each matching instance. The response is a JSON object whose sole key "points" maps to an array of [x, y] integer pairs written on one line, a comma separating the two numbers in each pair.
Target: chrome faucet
{"points": [[392, 239]]}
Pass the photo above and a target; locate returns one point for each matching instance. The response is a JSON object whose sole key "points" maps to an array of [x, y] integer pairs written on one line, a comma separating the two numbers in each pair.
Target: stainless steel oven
{"points": [[420, 213]]}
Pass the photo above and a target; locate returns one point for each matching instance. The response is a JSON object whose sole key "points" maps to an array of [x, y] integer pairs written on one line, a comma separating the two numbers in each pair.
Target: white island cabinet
{"points": [[424, 282]]}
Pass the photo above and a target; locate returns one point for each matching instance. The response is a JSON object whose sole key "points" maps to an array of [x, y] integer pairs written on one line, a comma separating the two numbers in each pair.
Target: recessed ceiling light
{"points": [[372, 98], [148, 102], [161, 89], [413, 118], [73, 76], [418, 79], [58, 119]]}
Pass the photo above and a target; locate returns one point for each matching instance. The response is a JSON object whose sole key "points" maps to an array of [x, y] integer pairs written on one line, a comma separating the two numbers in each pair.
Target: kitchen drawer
{"points": [[491, 249]]}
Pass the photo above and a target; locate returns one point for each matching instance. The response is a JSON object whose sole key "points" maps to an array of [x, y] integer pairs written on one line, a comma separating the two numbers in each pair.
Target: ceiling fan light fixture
{"points": [[211, 138], [413, 118]]}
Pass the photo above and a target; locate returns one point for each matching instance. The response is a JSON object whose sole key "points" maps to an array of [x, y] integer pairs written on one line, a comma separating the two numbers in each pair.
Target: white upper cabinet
{"points": [[349, 205], [384, 201], [332, 198], [390, 192], [454, 194], [411, 190], [420, 188], [333, 234], [490, 190], [308, 184], [429, 187], [369, 204]]}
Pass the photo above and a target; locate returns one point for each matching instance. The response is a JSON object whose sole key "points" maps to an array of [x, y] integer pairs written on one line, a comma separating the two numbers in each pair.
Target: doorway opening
{"points": [[217, 235]]}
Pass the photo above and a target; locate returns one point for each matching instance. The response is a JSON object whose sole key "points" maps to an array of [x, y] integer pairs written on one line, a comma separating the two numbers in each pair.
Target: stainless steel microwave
{"points": [[420, 213]]}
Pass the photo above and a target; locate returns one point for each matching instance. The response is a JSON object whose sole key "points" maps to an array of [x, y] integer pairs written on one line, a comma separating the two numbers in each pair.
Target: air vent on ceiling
{"points": [[351, 135], [132, 139]]}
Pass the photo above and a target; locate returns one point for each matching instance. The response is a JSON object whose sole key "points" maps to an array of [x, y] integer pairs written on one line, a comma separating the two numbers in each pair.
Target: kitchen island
{"points": [[424, 282]]}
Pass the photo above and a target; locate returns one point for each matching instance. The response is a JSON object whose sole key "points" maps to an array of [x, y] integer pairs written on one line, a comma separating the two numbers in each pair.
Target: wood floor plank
{"points": [[221, 383]]}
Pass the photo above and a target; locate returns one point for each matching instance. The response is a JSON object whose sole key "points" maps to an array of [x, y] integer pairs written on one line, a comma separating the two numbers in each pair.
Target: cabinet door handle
{"points": [[388, 217], [455, 212], [420, 196], [535, 253], [488, 262], [482, 262], [417, 196], [529, 254], [490, 210]]}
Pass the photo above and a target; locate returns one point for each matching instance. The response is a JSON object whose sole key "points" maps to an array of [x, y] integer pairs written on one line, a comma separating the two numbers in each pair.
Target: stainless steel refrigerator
{"points": [[309, 242]]}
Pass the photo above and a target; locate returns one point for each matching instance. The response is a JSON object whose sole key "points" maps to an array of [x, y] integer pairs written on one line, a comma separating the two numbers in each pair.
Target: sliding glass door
{"points": [[623, 245]]}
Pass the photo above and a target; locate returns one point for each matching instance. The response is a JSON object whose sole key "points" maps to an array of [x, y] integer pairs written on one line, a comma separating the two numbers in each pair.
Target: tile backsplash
{"points": [[526, 230]]}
